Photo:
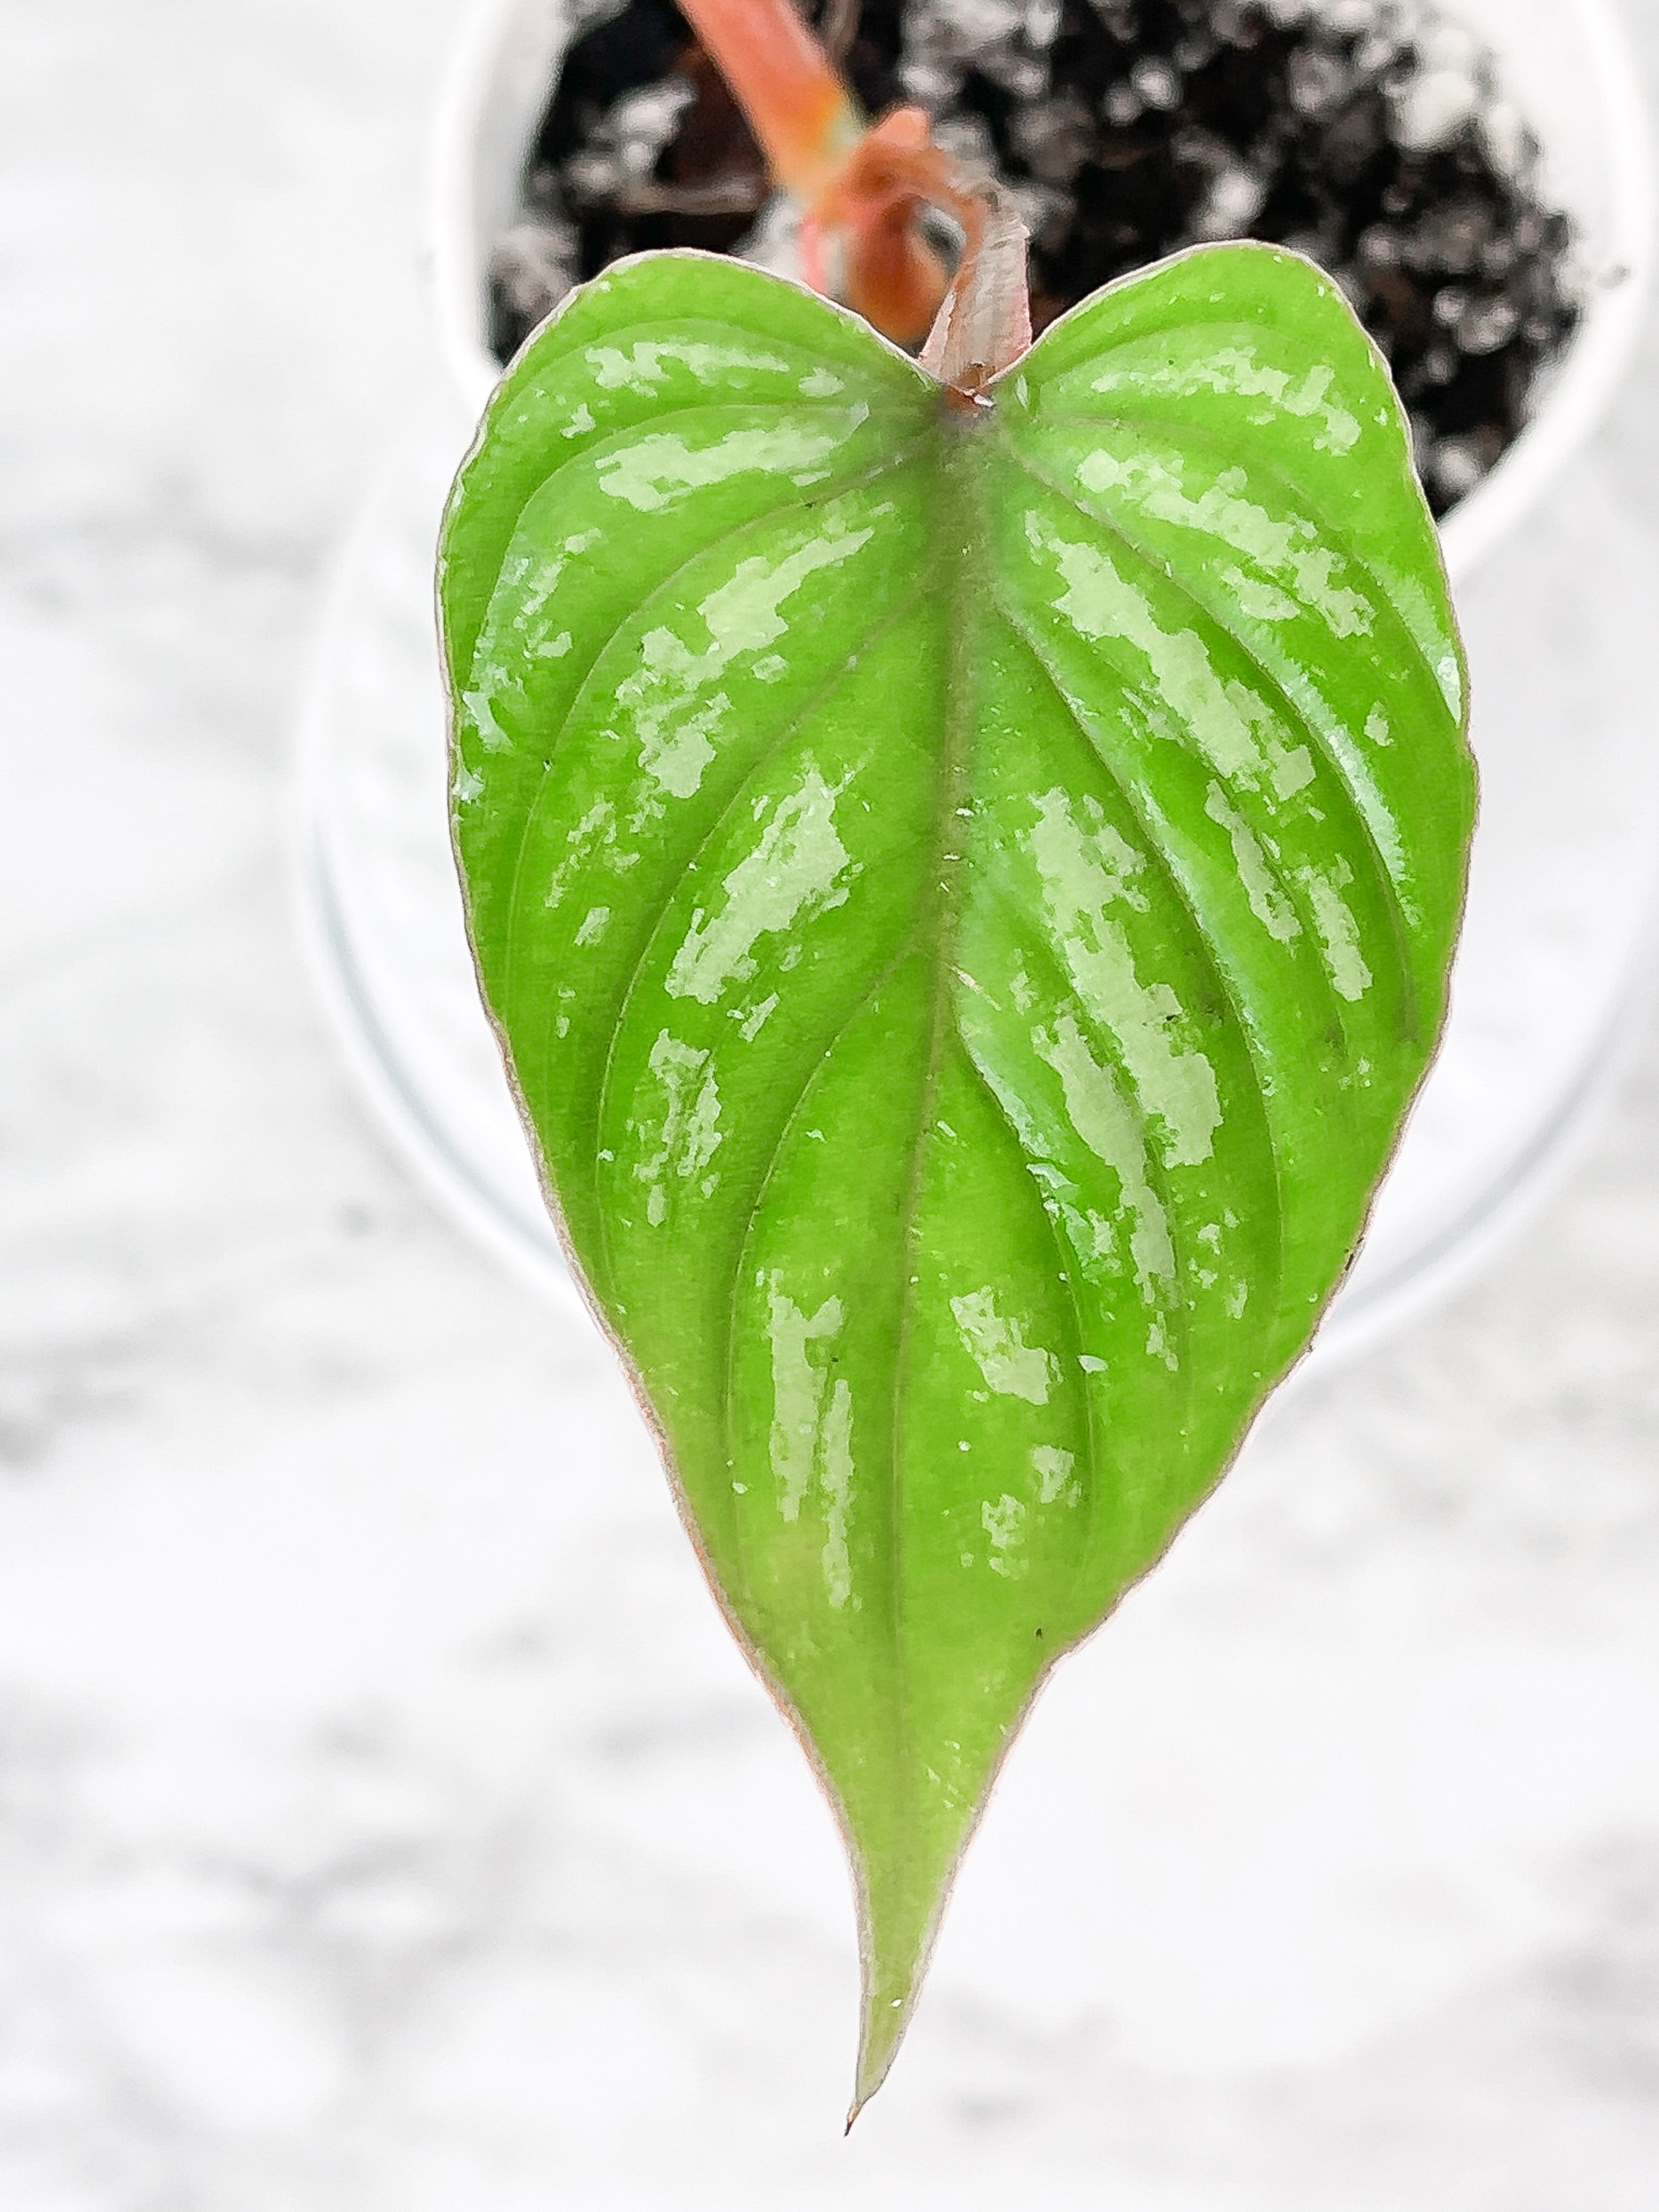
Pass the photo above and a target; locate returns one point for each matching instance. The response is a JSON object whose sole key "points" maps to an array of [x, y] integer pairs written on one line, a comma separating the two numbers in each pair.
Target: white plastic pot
{"points": [[1564, 64]]}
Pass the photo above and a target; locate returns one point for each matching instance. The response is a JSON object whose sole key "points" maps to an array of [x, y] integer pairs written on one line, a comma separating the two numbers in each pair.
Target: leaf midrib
{"points": [[953, 461]]}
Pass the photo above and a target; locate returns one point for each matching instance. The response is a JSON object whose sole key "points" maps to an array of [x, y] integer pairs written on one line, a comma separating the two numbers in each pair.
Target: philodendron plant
{"points": [[963, 857]]}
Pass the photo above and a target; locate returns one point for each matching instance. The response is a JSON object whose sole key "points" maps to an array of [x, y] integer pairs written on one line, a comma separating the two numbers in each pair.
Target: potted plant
{"points": [[1050, 759], [519, 91]]}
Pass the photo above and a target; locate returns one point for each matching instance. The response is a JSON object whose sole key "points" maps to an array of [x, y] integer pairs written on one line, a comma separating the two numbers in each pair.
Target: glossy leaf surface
{"points": [[967, 903]]}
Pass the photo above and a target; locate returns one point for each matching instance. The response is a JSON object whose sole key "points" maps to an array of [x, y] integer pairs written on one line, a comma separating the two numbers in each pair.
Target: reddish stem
{"points": [[863, 188], [805, 118]]}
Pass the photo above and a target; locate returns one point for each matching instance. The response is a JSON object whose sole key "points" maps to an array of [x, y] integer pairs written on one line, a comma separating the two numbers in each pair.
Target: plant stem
{"points": [[838, 28], [804, 117], [862, 188]]}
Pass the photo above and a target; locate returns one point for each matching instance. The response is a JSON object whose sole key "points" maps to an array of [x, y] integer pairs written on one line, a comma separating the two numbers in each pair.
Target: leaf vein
{"points": [[1309, 510], [1184, 898], [1070, 1269], [769, 753], [1398, 930], [1157, 1173], [754, 523], [865, 999], [626, 431]]}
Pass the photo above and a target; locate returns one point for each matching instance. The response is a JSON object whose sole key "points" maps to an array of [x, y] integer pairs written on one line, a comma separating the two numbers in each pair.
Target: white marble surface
{"points": [[384, 1823]]}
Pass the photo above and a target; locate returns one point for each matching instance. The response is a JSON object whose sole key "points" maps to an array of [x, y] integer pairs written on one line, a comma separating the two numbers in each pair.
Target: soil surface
{"points": [[1371, 134]]}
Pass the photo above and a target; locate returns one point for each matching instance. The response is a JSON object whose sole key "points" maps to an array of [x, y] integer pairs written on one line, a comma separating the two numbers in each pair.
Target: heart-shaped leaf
{"points": [[967, 898]]}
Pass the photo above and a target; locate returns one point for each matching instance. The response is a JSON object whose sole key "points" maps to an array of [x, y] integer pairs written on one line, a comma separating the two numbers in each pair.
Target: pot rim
{"points": [[1570, 403]]}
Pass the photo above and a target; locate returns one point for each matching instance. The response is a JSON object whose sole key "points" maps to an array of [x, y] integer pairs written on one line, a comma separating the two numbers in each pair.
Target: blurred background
{"points": [[385, 1819]]}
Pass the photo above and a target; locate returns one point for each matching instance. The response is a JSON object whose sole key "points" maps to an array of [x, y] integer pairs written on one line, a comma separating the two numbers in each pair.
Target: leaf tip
{"points": [[904, 1860], [877, 2048], [890, 1999]]}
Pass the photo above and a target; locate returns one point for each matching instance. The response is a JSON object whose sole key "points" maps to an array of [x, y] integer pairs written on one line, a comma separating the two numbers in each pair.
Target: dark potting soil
{"points": [[1371, 134]]}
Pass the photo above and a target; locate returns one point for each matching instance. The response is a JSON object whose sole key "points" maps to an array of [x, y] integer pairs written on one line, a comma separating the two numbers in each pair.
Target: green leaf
{"points": [[967, 904]]}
